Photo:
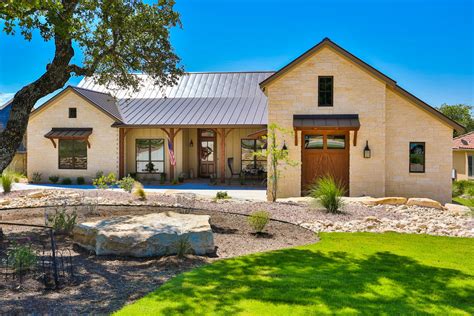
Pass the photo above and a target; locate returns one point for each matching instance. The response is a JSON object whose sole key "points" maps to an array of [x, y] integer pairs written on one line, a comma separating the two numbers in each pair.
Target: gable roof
{"points": [[198, 99], [465, 141], [102, 101], [326, 42]]}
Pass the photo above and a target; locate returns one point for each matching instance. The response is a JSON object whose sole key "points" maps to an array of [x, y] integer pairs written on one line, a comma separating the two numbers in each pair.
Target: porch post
{"points": [[171, 135], [121, 153], [222, 154]]}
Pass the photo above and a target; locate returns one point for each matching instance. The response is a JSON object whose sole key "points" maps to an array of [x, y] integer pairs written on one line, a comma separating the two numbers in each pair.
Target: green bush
{"points": [[174, 182], [329, 193], [126, 184], [222, 195], [37, 176], [62, 222], [66, 181], [162, 178], [462, 187], [21, 258], [138, 191], [53, 179], [183, 247], [80, 180], [7, 182], [104, 182], [258, 220]]}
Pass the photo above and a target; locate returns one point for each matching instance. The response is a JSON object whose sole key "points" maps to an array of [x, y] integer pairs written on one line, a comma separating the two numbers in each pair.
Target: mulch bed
{"points": [[105, 284]]}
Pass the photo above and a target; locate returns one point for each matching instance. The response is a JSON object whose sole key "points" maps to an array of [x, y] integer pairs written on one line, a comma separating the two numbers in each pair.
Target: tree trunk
{"points": [[55, 77]]}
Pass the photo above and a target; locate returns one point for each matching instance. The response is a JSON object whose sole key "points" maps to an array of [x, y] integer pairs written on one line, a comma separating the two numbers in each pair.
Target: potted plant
{"points": [[150, 167]]}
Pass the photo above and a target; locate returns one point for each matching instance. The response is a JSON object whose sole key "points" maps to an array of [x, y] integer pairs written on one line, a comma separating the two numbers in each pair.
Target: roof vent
{"points": [[464, 142]]}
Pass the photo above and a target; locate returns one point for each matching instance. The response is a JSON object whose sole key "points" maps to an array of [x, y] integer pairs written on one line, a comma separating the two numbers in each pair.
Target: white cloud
{"points": [[4, 97]]}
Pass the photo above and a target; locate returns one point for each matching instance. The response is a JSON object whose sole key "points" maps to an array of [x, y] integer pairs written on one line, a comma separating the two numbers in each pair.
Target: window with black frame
{"points": [[325, 91], [72, 154], [253, 163], [417, 157], [150, 156]]}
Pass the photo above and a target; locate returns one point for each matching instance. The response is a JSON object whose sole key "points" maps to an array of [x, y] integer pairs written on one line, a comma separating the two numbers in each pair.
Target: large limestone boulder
{"points": [[457, 209], [392, 200], [424, 202], [149, 235]]}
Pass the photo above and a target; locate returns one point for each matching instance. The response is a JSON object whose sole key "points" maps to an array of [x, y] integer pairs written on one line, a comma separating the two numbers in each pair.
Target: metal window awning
{"points": [[325, 122], [70, 134]]}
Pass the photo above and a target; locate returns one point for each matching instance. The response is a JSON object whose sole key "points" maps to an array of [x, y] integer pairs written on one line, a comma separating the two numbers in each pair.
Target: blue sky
{"points": [[426, 46]]}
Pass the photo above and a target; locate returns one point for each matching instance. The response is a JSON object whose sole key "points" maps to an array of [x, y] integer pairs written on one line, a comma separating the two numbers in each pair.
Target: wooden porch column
{"points": [[223, 135], [122, 134], [171, 135]]}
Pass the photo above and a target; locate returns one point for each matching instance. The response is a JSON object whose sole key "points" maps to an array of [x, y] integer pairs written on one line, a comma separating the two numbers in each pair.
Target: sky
{"points": [[427, 46]]}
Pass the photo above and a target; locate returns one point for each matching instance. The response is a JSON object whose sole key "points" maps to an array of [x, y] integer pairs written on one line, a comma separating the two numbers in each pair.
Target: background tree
{"points": [[116, 38], [460, 113]]}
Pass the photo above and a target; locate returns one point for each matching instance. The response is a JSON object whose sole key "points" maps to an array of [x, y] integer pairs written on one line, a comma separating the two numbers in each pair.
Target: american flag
{"points": [[171, 151]]}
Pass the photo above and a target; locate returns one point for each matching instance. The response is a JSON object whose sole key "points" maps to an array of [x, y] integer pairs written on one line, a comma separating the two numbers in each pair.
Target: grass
{"points": [[360, 273], [465, 202]]}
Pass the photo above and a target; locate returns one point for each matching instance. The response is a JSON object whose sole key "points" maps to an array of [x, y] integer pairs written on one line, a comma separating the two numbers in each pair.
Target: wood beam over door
{"points": [[223, 133], [171, 133]]}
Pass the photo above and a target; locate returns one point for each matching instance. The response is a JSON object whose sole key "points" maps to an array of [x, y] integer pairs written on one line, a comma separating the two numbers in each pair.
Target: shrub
{"points": [[21, 258], [126, 184], [66, 181], [37, 176], [16, 176], [329, 193], [138, 191], [7, 181], [183, 247], [80, 180], [62, 222], [469, 191], [222, 195], [104, 182], [162, 178], [174, 182], [53, 179], [462, 187], [258, 220]]}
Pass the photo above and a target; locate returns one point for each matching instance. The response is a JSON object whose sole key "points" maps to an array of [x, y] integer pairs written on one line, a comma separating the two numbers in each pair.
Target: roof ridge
{"points": [[463, 135], [80, 88], [221, 72]]}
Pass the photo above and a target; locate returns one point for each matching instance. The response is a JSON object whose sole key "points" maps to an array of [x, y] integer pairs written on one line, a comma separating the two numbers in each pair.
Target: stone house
{"points": [[348, 120], [463, 156]]}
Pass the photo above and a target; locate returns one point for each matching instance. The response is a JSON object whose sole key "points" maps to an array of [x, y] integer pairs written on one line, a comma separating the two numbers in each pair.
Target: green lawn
{"points": [[344, 273], [466, 202]]}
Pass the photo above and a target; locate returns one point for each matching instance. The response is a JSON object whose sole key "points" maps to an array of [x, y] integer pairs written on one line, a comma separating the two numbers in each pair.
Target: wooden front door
{"points": [[207, 153], [325, 153]]}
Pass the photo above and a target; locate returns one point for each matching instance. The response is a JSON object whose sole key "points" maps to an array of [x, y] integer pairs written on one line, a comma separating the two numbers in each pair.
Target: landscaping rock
{"points": [[4, 202], [424, 202], [37, 195], [150, 235], [385, 201], [457, 209]]}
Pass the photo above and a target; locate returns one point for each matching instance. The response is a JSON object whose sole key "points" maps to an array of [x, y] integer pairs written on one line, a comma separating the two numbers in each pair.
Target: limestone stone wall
{"points": [[43, 157]]}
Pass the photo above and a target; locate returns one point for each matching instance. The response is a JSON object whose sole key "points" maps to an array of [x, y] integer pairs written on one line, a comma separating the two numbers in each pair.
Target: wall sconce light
{"points": [[284, 146], [191, 144], [367, 150]]}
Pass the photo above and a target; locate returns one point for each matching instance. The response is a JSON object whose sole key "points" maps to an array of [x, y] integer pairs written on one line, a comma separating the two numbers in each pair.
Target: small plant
{"points": [[138, 190], [36, 178], [80, 180], [104, 182], [62, 222], [126, 184], [66, 181], [53, 179], [183, 247], [21, 258], [329, 193], [470, 191], [222, 195], [258, 220], [162, 178], [174, 182], [17, 176], [181, 178], [7, 181]]}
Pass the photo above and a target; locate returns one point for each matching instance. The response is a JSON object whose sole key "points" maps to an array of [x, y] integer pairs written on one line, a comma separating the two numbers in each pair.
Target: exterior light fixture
{"points": [[367, 150], [191, 144], [284, 146]]}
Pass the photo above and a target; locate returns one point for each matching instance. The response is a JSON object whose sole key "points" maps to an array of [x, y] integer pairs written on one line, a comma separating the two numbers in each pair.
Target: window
{"points": [[313, 142], [150, 156], [252, 163], [72, 113], [417, 157], [469, 166], [336, 142], [72, 154], [325, 91]]}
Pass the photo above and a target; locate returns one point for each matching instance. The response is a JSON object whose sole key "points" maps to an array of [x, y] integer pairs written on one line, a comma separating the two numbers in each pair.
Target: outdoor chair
{"points": [[230, 163]]}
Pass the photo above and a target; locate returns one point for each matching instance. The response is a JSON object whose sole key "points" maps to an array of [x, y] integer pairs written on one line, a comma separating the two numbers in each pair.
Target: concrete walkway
{"points": [[203, 189]]}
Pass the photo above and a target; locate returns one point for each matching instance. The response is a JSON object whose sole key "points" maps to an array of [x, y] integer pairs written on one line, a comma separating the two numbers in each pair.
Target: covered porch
{"points": [[219, 154]]}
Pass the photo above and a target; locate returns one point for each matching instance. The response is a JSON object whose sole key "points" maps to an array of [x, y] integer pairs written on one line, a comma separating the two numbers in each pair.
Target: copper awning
{"points": [[69, 133], [339, 122]]}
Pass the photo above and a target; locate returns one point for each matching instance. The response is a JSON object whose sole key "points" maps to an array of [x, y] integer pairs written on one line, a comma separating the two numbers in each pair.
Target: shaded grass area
{"points": [[359, 273], [465, 202]]}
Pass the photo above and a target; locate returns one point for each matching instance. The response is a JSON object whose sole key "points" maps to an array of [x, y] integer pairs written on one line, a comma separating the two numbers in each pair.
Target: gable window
{"points": [[325, 91], [72, 154], [417, 157], [150, 155], [72, 112], [469, 165], [252, 163]]}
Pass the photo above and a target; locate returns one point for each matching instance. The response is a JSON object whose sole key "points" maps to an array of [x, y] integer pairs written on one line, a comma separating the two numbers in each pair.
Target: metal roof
{"points": [[199, 99], [105, 101], [69, 133], [348, 121]]}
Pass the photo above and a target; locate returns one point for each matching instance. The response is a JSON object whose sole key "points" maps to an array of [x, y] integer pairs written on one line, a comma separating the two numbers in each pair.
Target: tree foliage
{"points": [[460, 113], [117, 38]]}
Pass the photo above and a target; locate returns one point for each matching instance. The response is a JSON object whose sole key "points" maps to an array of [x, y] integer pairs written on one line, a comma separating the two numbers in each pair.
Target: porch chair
{"points": [[230, 163]]}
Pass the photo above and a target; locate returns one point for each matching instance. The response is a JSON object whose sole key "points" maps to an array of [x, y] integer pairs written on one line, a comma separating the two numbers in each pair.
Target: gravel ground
{"points": [[104, 284]]}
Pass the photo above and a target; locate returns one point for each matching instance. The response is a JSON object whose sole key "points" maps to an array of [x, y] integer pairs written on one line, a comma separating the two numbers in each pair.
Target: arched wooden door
{"points": [[325, 153]]}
